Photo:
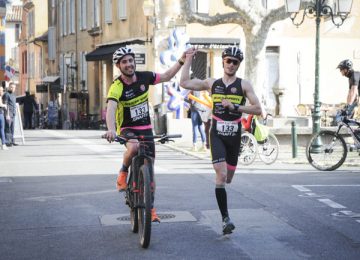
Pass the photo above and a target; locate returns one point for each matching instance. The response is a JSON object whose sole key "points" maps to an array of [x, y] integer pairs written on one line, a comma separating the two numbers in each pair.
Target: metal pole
{"points": [[316, 111], [294, 139]]}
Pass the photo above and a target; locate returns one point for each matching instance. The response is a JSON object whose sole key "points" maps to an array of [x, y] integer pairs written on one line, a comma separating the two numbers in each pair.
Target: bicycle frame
{"points": [[345, 122], [140, 159]]}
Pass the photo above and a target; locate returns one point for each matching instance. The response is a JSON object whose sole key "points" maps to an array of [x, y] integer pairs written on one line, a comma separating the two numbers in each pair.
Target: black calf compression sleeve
{"points": [[222, 201]]}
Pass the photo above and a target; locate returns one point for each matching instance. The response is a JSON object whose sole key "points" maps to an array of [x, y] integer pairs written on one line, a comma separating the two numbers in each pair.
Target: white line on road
{"points": [[332, 204], [59, 197], [301, 188]]}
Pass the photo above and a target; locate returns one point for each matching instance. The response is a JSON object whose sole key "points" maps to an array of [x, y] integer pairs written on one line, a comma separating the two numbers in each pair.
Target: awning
{"points": [[50, 79], [105, 52], [79, 95], [214, 43]]}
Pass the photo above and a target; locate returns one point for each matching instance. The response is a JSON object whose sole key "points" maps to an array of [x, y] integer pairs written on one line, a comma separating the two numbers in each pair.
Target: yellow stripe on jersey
{"points": [[235, 99]]}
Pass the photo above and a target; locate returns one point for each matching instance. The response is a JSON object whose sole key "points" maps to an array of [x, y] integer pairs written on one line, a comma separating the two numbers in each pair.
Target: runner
{"points": [[228, 94]]}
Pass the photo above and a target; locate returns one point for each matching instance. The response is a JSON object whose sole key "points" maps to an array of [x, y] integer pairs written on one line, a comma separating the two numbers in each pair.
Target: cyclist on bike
{"points": [[346, 69], [228, 94], [128, 108]]}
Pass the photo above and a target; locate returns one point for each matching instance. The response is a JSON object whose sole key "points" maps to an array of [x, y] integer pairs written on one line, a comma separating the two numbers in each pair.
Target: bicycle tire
{"points": [[248, 149], [326, 150], [144, 205], [134, 220], [268, 150]]}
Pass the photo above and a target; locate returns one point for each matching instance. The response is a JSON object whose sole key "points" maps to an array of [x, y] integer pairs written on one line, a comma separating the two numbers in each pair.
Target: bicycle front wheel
{"points": [[144, 207], [248, 149], [326, 151], [268, 150]]}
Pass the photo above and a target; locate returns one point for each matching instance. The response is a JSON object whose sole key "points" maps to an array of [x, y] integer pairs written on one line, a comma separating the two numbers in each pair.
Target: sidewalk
{"points": [[285, 154]]}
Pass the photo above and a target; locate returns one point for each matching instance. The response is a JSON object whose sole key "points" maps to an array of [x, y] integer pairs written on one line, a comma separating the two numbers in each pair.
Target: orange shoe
{"points": [[154, 216], [121, 184]]}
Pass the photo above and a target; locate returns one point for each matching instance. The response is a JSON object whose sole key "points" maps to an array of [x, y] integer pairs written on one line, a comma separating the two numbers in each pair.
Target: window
{"points": [[83, 72], [122, 10], [62, 18], [2, 38], [2, 62], [62, 71], [52, 43], [24, 62], [96, 14], [82, 14], [30, 29], [72, 17], [108, 11], [199, 6], [17, 32]]}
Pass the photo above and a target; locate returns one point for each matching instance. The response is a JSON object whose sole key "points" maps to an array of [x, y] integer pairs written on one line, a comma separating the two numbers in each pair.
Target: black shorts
{"points": [[224, 148], [150, 145]]}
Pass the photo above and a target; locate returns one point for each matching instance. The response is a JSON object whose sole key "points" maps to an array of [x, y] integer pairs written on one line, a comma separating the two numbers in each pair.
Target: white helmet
{"points": [[121, 52]]}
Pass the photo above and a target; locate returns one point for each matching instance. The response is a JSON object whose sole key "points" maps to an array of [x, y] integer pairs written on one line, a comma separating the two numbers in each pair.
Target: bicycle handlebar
{"points": [[162, 138]]}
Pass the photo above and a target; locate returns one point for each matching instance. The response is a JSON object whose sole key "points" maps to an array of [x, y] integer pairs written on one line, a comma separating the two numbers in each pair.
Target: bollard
{"points": [[293, 139]]}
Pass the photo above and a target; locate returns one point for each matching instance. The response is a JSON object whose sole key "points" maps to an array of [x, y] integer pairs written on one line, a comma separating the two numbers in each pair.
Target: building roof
{"points": [[14, 14]]}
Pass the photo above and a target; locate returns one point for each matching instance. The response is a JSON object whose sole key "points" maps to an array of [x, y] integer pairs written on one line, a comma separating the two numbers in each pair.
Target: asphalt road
{"points": [[58, 201]]}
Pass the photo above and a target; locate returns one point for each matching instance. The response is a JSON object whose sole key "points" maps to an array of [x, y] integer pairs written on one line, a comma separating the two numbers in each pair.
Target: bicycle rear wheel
{"points": [[326, 151], [144, 205], [248, 149], [268, 150]]}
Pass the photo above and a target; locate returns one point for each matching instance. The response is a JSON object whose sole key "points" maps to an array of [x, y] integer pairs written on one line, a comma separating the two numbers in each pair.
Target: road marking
{"points": [[60, 197], [332, 204], [301, 188]]}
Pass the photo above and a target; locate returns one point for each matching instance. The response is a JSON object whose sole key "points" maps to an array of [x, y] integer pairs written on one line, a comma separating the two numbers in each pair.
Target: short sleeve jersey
{"points": [[133, 108], [234, 93], [354, 79]]}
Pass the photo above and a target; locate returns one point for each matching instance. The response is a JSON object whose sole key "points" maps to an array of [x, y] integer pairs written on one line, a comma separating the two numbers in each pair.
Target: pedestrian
{"points": [[228, 95], [9, 99], [128, 108], [197, 124], [28, 110], [352, 100], [206, 118], [3, 111]]}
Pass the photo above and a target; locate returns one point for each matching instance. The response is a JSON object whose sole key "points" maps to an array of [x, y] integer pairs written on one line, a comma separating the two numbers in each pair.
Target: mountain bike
{"points": [[327, 150], [139, 194]]}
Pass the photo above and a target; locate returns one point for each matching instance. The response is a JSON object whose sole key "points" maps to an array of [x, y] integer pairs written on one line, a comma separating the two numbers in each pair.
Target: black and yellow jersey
{"points": [[227, 123], [133, 108]]}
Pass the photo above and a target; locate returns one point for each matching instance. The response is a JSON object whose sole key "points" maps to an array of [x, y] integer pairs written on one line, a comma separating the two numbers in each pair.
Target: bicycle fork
{"points": [[133, 186]]}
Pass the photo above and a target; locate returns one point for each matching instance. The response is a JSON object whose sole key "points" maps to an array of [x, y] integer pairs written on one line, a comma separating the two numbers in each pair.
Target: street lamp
{"points": [[148, 9], [318, 9]]}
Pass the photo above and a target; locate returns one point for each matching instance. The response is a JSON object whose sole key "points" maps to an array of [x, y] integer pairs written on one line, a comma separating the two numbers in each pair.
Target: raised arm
{"points": [[193, 84]]}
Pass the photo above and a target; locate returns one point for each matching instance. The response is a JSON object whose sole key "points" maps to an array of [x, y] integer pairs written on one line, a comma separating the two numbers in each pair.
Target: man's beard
{"points": [[128, 74]]}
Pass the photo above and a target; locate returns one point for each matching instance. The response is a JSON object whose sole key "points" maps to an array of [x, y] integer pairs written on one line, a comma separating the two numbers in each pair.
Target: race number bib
{"points": [[139, 110], [227, 126]]}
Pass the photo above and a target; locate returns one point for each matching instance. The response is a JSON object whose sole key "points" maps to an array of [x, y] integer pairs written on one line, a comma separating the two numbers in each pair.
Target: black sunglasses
{"points": [[229, 61]]}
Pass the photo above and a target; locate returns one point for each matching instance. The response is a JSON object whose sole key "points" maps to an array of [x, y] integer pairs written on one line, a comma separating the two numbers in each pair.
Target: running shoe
{"points": [[121, 184], [154, 216], [228, 226]]}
